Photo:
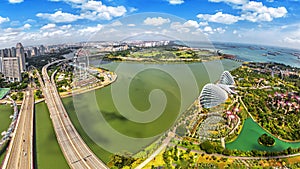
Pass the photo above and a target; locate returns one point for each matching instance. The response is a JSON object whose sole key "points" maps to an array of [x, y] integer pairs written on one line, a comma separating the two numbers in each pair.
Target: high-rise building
{"points": [[9, 52], [42, 49], [1, 63], [13, 52], [21, 55], [27, 53], [1, 52], [11, 69], [34, 51]]}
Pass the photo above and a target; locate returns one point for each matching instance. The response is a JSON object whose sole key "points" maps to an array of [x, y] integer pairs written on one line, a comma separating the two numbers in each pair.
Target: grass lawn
{"points": [[48, 152], [5, 112], [247, 140]]}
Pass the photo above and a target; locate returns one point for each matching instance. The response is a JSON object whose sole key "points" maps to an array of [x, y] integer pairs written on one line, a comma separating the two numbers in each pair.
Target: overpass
{"points": [[76, 152], [20, 151]]}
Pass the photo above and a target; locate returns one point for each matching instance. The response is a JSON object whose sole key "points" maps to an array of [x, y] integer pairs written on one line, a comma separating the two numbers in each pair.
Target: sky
{"points": [[35, 22]]}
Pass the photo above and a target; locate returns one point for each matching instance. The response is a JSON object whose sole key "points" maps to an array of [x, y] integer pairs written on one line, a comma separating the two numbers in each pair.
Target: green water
{"points": [[100, 116], [48, 153], [247, 140], [105, 112]]}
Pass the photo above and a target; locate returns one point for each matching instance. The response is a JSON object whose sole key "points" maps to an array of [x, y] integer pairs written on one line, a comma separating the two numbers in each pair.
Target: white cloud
{"points": [[98, 10], [132, 9], [179, 27], [65, 27], [27, 26], [59, 17], [176, 2], [252, 11], [156, 21], [231, 1], [255, 11], [90, 29], [220, 30], [291, 40], [2, 20], [48, 26], [184, 27], [131, 25], [208, 29], [203, 23], [15, 1], [219, 17], [16, 30], [91, 10], [191, 23], [116, 23]]}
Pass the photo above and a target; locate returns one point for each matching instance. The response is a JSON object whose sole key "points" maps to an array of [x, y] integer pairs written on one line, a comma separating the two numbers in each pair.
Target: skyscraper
{"points": [[1, 63], [11, 69], [21, 55], [13, 52]]}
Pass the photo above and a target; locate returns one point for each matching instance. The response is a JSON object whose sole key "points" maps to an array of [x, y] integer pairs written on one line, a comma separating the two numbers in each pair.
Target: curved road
{"points": [[76, 152]]}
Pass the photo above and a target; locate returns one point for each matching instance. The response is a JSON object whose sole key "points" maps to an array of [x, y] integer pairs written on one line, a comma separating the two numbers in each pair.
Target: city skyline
{"points": [[268, 22]]}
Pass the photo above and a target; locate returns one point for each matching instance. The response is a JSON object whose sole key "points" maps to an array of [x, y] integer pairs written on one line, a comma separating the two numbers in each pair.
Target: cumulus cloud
{"points": [[179, 27], [91, 10], [27, 26], [156, 21], [191, 23], [291, 40], [185, 27], [220, 30], [255, 11], [59, 17], [15, 31], [203, 23], [219, 17], [15, 1], [96, 9], [65, 27], [48, 26], [176, 2], [2, 20], [208, 29], [90, 29], [250, 10], [116, 23]]}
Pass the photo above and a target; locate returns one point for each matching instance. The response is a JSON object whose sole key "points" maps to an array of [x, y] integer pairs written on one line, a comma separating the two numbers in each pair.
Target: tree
{"points": [[266, 140]]}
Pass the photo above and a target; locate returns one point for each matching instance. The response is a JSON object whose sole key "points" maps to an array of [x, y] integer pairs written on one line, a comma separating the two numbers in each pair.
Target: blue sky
{"points": [[33, 22]]}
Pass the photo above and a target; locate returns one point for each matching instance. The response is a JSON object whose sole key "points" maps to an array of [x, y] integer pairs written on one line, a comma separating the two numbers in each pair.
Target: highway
{"points": [[76, 152], [20, 150]]}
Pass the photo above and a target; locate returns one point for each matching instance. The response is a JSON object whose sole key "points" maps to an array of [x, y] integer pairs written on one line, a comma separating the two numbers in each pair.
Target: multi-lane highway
{"points": [[20, 150], [76, 152]]}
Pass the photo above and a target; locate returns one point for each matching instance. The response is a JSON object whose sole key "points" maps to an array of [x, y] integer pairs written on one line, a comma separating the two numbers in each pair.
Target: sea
{"points": [[254, 53]]}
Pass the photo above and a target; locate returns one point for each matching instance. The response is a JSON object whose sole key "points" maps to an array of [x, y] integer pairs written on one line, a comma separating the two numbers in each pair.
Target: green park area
{"points": [[248, 139], [5, 112], [48, 152]]}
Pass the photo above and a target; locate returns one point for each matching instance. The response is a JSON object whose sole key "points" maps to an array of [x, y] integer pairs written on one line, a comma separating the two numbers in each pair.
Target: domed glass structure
{"points": [[212, 95], [226, 78]]}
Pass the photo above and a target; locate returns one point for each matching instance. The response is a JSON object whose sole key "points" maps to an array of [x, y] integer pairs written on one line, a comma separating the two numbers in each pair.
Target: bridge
{"points": [[76, 152]]}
